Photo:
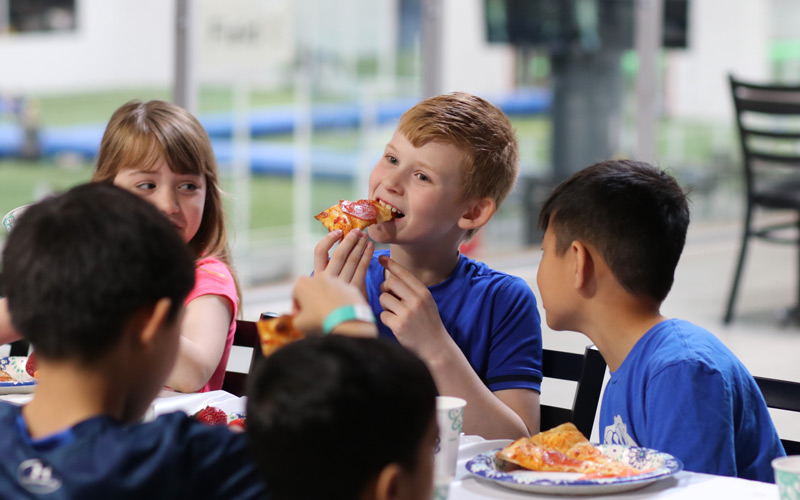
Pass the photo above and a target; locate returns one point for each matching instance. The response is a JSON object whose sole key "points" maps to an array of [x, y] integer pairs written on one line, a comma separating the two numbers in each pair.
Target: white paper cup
{"points": [[450, 417], [787, 476]]}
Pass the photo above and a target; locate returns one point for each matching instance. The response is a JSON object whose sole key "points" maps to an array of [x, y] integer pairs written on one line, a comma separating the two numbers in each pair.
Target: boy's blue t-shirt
{"points": [[490, 315], [172, 457], [681, 391]]}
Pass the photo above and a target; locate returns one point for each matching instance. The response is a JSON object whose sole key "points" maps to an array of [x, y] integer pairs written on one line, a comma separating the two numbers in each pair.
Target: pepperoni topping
{"points": [[362, 209]]}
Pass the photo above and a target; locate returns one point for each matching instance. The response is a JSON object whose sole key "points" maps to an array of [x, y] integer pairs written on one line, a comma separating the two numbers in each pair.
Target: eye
{"points": [[423, 177], [146, 186], [391, 159], [189, 186]]}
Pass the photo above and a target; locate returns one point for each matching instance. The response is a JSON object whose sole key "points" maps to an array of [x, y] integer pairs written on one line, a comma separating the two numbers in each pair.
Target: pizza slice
{"points": [[359, 214], [561, 449], [276, 333], [561, 438], [531, 456]]}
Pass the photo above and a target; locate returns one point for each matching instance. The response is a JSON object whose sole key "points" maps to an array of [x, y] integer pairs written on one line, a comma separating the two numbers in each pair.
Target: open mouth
{"points": [[396, 214]]}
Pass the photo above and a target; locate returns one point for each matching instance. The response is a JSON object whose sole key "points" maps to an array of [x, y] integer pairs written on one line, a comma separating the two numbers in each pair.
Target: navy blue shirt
{"points": [[490, 315], [171, 457], [681, 391]]}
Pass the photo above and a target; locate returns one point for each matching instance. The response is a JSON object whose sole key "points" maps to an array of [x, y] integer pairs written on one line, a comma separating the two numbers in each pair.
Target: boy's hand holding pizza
{"points": [[349, 261]]}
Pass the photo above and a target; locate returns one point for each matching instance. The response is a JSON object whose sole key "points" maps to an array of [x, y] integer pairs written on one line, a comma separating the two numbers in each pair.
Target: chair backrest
{"points": [[246, 335], [768, 118], [588, 370], [782, 395]]}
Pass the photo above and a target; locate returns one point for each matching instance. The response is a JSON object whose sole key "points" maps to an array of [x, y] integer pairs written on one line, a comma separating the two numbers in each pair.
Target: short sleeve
{"points": [[212, 277], [515, 350], [694, 423]]}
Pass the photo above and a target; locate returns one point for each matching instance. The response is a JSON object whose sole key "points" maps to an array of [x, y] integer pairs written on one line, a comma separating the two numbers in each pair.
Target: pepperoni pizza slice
{"points": [[359, 214]]}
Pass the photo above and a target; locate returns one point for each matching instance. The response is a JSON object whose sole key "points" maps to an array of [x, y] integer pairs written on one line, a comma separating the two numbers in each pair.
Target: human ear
{"points": [[477, 213], [583, 266], [388, 485], [154, 319]]}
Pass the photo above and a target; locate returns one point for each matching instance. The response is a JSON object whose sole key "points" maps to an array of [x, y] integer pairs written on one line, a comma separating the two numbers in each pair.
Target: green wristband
{"points": [[347, 313]]}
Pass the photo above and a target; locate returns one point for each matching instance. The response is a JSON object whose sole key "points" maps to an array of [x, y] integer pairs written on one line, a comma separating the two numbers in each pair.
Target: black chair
{"points": [[588, 370], [19, 348], [246, 335], [768, 119], [783, 395]]}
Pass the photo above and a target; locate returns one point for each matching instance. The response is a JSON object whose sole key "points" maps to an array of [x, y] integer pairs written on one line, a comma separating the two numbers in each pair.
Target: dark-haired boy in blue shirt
{"points": [[614, 233]]}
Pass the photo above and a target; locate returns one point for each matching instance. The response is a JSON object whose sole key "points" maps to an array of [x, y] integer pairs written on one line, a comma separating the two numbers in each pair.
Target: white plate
{"points": [[15, 387], [663, 465]]}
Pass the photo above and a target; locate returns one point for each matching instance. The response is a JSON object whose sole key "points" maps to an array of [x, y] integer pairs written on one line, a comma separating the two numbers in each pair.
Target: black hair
{"points": [[77, 266], [344, 407], [634, 214]]}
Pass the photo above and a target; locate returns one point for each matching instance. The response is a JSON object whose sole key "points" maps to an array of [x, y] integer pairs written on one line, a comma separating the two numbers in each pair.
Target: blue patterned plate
{"points": [[14, 366], [658, 465], [11, 217]]}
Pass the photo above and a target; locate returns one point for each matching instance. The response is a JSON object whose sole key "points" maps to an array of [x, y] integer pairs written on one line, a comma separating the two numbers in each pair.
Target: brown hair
{"points": [[140, 133], [479, 129]]}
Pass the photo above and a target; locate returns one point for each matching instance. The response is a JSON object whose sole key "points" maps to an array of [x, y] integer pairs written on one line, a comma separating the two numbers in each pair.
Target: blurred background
{"points": [[300, 96]]}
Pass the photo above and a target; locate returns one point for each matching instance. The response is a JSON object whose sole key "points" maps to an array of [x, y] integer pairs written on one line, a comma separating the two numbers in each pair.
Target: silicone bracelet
{"points": [[347, 313]]}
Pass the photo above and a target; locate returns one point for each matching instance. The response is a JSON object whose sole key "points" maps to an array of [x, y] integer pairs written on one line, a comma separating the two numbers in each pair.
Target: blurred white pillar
{"points": [[184, 91], [431, 47], [647, 39]]}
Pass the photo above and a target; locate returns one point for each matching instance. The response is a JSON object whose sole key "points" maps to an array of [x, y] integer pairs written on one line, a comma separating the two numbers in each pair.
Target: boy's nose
{"points": [[394, 182]]}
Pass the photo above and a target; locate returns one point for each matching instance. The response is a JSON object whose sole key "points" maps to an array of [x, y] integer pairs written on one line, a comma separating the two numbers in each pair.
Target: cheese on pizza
{"points": [[359, 214], [275, 333], [561, 449]]}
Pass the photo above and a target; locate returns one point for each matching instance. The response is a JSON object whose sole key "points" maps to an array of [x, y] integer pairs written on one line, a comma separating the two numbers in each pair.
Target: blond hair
{"points": [[480, 130], [140, 133]]}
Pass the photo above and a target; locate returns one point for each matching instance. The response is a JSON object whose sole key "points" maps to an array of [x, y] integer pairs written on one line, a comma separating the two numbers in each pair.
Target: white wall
{"points": [[470, 63], [724, 36], [118, 43]]}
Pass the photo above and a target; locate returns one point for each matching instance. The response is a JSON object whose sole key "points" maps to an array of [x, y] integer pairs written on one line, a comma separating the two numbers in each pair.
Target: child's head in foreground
{"points": [[82, 267], [483, 143], [633, 214], [359, 412], [142, 137]]}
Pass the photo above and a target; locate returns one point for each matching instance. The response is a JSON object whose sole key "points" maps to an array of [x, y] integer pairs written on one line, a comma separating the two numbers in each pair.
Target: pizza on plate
{"points": [[561, 449], [275, 333], [347, 215]]}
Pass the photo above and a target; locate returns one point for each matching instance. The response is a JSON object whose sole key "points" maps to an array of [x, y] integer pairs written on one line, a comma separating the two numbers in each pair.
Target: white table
{"points": [[682, 486], [169, 401]]}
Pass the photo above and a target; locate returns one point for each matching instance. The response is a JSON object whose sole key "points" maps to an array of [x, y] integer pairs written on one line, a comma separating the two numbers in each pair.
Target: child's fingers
{"points": [[323, 247], [401, 273], [363, 264], [342, 252], [354, 258]]}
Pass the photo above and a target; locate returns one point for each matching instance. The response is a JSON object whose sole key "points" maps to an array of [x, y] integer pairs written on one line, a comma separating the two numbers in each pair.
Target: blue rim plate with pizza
{"points": [[21, 382], [657, 466]]}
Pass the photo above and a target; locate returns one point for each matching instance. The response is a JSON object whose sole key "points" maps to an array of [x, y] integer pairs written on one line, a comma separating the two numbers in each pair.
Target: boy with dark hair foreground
{"points": [[358, 412], [95, 279], [614, 233]]}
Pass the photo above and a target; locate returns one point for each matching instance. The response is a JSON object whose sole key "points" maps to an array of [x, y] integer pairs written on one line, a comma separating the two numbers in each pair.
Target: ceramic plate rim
{"points": [[671, 467], [16, 386]]}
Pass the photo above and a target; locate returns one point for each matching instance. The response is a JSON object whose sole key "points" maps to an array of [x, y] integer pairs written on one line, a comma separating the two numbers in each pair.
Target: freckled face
{"points": [[424, 184], [180, 197]]}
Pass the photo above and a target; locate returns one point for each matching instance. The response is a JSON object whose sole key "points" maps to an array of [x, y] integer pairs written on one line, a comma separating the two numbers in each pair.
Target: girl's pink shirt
{"points": [[212, 277]]}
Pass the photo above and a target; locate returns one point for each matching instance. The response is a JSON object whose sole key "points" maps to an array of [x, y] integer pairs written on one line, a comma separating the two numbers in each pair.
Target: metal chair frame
{"points": [[770, 151]]}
